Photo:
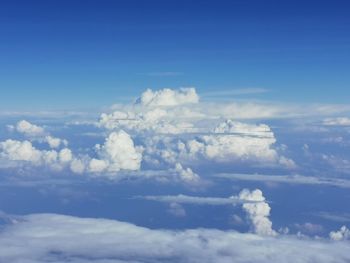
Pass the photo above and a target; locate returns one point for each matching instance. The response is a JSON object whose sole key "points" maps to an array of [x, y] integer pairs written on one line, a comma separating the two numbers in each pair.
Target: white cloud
{"points": [[65, 155], [157, 120], [229, 142], [37, 133], [77, 166], [168, 97], [55, 142], [23, 152], [340, 121], [20, 151], [29, 129], [257, 212], [197, 200], [186, 174], [289, 179], [253, 203], [230, 126], [117, 153], [176, 210], [56, 238], [342, 234]]}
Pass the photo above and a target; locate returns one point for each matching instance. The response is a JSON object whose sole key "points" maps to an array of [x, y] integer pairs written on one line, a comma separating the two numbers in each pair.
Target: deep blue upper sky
{"points": [[78, 54]]}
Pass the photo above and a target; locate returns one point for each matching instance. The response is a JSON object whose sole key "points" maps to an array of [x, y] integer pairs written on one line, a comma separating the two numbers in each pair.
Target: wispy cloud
{"points": [[336, 217], [234, 92], [289, 179], [198, 200]]}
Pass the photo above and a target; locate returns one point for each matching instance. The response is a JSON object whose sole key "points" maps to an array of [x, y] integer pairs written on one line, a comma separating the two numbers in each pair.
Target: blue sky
{"points": [[53, 52]]}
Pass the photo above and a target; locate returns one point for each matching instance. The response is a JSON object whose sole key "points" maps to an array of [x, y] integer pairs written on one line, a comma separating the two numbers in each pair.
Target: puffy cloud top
{"points": [[168, 97], [20, 151], [117, 153], [258, 212], [342, 234], [28, 128]]}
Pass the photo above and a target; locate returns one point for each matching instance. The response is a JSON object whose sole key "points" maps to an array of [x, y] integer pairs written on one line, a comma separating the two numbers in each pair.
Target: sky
{"points": [[105, 51], [174, 131]]}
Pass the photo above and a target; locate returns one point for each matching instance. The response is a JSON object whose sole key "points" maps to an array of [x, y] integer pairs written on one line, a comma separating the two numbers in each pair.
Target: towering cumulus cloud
{"points": [[342, 234], [117, 153], [258, 212]]}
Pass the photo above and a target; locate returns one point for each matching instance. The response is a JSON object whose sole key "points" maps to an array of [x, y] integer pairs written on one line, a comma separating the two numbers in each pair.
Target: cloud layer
{"points": [[57, 238]]}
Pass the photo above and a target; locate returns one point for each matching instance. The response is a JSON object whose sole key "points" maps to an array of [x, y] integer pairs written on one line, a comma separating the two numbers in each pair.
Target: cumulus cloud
{"points": [[156, 120], [29, 129], [236, 143], [58, 238], [20, 151], [117, 153], [253, 203], [174, 131], [55, 142], [168, 97], [342, 234], [38, 133], [257, 212], [23, 152], [176, 134], [186, 174]]}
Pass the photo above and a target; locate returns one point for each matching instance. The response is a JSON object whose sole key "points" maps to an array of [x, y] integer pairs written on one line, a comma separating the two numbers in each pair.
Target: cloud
{"points": [[176, 210], [253, 203], [234, 92], [257, 212], [186, 174], [55, 142], [37, 133], [289, 179], [174, 131], [340, 121], [168, 97], [342, 234], [57, 238], [197, 200], [229, 142], [338, 163], [29, 129], [117, 153], [336, 217], [23, 152], [20, 151], [309, 228]]}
